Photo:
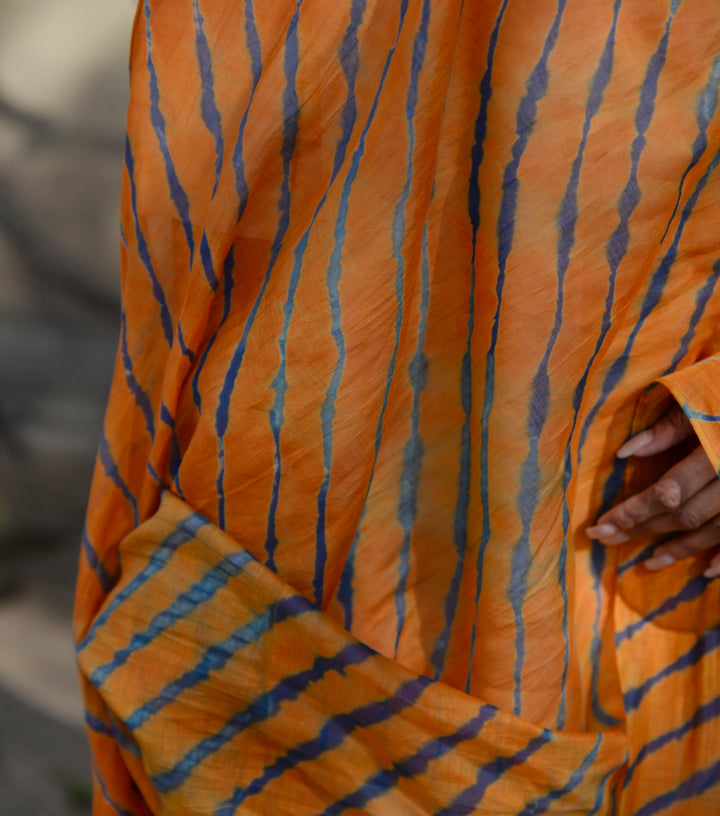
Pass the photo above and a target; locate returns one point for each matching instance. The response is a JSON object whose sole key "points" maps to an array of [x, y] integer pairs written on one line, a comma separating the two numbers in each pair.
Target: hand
{"points": [[684, 500]]}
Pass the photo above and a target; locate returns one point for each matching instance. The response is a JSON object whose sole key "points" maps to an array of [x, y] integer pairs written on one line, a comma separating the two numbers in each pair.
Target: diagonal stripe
{"points": [[200, 593], [708, 642], [261, 709], [415, 765], [332, 734], [217, 656], [184, 532]]}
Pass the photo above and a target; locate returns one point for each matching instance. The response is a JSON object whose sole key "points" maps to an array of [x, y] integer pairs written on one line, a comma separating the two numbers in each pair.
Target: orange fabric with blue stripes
{"points": [[398, 280]]}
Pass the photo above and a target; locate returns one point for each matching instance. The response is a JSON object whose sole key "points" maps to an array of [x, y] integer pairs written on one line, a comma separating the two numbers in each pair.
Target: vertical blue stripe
{"points": [[177, 194], [175, 454], [291, 109], [111, 470], [413, 449], [539, 404], [107, 582], [536, 85], [328, 409], [413, 453], [222, 417], [106, 794], [254, 49], [348, 57], [210, 112], [477, 156], [142, 249], [706, 107], [228, 283], [701, 301]]}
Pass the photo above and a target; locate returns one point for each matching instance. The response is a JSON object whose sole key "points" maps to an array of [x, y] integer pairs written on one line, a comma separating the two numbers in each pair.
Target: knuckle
{"points": [[688, 518], [715, 526], [666, 494]]}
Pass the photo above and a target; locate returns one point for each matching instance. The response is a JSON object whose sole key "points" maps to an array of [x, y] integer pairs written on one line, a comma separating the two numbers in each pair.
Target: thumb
{"points": [[670, 429]]}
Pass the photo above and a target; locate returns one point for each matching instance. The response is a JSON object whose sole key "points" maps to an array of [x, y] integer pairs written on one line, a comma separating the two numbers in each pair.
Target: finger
{"points": [[670, 429], [690, 516], [714, 569], [667, 495], [686, 545]]}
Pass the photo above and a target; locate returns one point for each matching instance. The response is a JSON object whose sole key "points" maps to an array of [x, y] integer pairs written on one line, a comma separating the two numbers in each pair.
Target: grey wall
{"points": [[63, 84]]}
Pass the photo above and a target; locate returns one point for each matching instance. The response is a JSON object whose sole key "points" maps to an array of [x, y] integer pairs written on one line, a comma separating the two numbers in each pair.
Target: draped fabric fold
{"points": [[398, 280]]}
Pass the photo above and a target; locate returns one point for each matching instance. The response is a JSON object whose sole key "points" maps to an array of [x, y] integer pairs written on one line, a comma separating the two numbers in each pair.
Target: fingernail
{"points": [[657, 562], [634, 444], [712, 571], [602, 531]]}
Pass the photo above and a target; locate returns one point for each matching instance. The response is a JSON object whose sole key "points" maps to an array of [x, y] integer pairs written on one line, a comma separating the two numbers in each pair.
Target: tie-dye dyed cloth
{"points": [[398, 278]]}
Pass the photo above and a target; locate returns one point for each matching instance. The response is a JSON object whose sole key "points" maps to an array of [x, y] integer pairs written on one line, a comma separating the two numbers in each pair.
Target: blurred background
{"points": [[63, 94]]}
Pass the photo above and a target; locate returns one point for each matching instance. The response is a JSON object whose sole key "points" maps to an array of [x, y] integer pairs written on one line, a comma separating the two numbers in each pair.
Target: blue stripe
{"points": [[691, 591], [228, 283], [181, 341], [177, 194], [704, 714], [694, 785], [701, 302], [207, 262], [175, 454], [602, 791], [261, 709], [544, 803], [199, 593], [415, 765], [529, 495], [399, 230], [210, 112], [348, 56], [706, 107], [112, 472], [184, 532], [629, 199], [536, 85], [413, 452], [477, 154], [218, 655], [253, 46], [707, 643], [291, 107], [222, 417], [332, 734], [636, 559], [141, 398], [598, 562], [691, 413], [469, 800], [96, 725], [107, 582], [344, 592], [106, 795], [142, 249]]}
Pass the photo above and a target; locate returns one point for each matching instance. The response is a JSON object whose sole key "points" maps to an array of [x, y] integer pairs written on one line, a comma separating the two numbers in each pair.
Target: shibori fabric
{"points": [[398, 280]]}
